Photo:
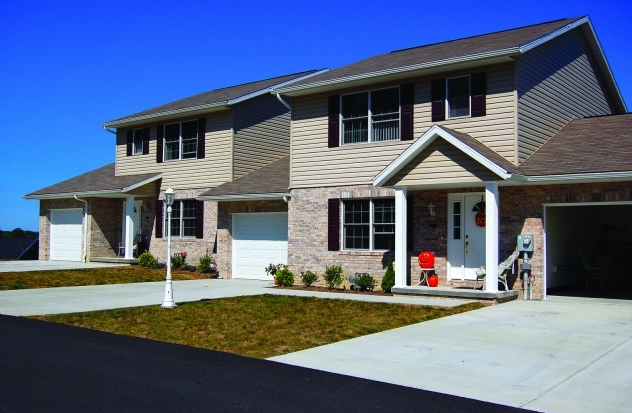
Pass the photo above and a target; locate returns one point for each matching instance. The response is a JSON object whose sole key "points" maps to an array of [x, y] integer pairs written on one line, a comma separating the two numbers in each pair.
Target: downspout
{"points": [[85, 228], [283, 102], [105, 128]]}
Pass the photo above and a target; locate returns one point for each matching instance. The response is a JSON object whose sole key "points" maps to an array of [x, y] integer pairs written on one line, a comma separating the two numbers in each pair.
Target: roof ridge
{"points": [[484, 34]]}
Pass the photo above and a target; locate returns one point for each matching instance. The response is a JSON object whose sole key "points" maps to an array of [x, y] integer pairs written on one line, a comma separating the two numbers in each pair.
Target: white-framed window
{"points": [[458, 97], [181, 140], [137, 142], [182, 218], [368, 224], [371, 116]]}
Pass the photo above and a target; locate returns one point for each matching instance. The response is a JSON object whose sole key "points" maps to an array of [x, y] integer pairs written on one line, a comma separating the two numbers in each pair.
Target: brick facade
{"points": [[521, 212]]}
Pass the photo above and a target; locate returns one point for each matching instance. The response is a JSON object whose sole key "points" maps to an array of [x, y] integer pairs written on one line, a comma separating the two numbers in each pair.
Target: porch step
{"points": [[451, 292], [110, 260]]}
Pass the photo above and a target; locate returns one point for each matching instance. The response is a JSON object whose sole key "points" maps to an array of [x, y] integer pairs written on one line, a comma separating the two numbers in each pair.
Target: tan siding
{"points": [[209, 172], [262, 133], [441, 163], [150, 190], [314, 164], [556, 82]]}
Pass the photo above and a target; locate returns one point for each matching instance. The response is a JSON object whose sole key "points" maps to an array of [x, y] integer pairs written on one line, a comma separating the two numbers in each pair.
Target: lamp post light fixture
{"points": [[169, 303]]}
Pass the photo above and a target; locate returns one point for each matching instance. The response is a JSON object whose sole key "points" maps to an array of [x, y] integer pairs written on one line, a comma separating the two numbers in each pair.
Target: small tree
{"points": [[207, 263], [333, 276], [389, 278]]}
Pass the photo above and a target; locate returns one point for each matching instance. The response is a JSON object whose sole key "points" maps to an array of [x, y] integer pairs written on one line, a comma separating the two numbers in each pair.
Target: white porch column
{"points": [[491, 236], [401, 258], [129, 227]]}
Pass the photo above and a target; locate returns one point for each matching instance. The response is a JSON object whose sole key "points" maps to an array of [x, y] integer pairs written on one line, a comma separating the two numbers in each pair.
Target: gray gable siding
{"points": [[261, 133], [556, 82]]}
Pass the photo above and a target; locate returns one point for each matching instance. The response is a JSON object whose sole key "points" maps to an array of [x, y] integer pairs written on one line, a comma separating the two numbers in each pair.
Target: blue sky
{"points": [[69, 66]]}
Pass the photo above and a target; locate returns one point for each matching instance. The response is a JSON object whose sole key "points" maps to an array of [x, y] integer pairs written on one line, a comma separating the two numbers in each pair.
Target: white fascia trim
{"points": [[243, 197], [271, 88], [72, 194], [579, 177], [496, 53], [165, 113], [141, 183], [528, 46], [422, 143]]}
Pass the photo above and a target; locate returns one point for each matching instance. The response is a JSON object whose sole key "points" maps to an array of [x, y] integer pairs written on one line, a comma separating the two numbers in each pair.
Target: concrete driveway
{"points": [[35, 265], [561, 355]]}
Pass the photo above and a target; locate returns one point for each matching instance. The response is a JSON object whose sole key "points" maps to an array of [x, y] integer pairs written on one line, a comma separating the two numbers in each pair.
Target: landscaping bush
{"points": [[187, 267], [272, 269], [308, 278], [179, 260], [389, 278], [365, 281], [207, 263], [146, 260], [159, 266], [285, 277], [333, 276]]}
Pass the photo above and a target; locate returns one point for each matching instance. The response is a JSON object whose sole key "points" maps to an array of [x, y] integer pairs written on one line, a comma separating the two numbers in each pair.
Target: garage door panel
{"points": [[66, 234], [258, 240]]}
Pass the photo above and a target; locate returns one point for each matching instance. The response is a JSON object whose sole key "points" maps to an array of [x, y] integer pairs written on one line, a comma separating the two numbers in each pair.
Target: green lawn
{"points": [[95, 276], [258, 326]]}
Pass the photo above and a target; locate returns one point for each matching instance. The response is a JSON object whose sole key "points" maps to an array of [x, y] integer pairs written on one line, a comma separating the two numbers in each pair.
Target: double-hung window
{"points": [[137, 142], [458, 96], [370, 116], [369, 224], [183, 218], [181, 140]]}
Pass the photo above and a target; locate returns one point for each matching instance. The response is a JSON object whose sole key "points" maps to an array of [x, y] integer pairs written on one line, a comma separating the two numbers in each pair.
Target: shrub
{"points": [[159, 265], [285, 277], [333, 276], [207, 263], [179, 260], [365, 281], [308, 278], [187, 267], [146, 260], [389, 278]]}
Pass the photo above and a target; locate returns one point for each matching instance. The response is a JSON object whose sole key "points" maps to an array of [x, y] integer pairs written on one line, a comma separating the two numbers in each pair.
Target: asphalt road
{"points": [[46, 367]]}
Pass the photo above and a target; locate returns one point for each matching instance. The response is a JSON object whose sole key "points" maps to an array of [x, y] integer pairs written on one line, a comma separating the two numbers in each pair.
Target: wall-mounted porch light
{"points": [[431, 209]]}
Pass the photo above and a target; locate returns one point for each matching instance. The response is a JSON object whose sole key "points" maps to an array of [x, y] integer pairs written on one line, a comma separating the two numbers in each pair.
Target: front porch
{"points": [[493, 297]]}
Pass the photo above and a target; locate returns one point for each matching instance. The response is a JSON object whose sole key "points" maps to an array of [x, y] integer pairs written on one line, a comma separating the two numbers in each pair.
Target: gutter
{"points": [[85, 228]]}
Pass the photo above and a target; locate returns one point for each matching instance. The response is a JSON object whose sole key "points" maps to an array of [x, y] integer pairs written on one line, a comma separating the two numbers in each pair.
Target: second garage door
{"points": [[258, 240]]}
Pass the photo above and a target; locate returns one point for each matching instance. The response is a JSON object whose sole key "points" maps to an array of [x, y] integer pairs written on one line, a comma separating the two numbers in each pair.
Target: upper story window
{"points": [[137, 142], [369, 224], [181, 140], [370, 116], [458, 101], [183, 218], [458, 97]]}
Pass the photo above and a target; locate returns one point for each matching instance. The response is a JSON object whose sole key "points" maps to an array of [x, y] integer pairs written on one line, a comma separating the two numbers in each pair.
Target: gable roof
{"points": [[585, 146], [98, 182], [270, 181], [480, 50], [214, 99]]}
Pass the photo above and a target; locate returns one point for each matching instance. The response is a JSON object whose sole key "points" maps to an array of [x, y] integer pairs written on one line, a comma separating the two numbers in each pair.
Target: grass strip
{"points": [[92, 276], [258, 326]]}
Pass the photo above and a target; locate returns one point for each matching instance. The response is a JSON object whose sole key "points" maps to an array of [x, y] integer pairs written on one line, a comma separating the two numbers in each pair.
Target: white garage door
{"points": [[258, 240], [66, 234]]}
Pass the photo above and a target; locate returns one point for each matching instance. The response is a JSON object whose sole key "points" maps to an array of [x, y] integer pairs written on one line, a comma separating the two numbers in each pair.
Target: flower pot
{"points": [[433, 281], [276, 282], [426, 259]]}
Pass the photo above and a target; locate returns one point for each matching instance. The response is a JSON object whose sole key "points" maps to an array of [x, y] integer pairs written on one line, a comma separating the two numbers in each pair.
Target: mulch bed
{"points": [[343, 290]]}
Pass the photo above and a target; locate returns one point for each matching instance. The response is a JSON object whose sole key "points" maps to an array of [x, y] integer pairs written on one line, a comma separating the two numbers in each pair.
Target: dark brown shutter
{"points": [[159, 217], [409, 223], [201, 138], [333, 224], [334, 121], [438, 100], [145, 141], [160, 129], [199, 219], [479, 90], [407, 100], [130, 141]]}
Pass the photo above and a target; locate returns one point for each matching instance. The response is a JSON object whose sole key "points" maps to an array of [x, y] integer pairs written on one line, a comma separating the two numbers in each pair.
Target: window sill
{"points": [[365, 253], [343, 145]]}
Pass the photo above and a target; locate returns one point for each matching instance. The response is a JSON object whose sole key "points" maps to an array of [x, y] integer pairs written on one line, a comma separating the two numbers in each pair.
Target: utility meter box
{"points": [[525, 243]]}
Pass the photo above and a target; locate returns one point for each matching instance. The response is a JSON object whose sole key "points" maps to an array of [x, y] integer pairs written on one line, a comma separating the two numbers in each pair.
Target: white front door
{"points": [[466, 240]]}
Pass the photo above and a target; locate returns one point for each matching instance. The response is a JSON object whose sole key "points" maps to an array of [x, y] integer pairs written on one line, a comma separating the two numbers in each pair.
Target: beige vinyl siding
{"points": [[314, 164], [209, 172], [262, 133], [149, 190], [556, 82], [441, 163]]}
